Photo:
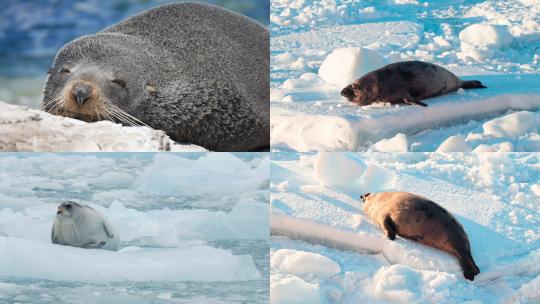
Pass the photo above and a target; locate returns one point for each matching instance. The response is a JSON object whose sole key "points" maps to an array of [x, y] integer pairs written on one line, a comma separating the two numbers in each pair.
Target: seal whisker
{"points": [[125, 114], [123, 118]]}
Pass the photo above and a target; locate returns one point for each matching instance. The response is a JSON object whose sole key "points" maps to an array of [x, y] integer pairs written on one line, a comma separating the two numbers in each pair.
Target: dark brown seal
{"points": [[196, 71], [405, 82], [419, 219]]}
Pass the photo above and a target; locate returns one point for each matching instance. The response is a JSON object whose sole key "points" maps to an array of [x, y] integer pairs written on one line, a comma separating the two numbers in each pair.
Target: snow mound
{"points": [[486, 35], [25, 129], [26, 258], [513, 125], [305, 265], [454, 143], [334, 169], [293, 290], [351, 174], [398, 143], [345, 65]]}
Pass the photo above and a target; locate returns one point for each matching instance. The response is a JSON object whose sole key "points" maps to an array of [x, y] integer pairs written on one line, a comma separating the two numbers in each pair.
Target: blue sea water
{"points": [[31, 32]]}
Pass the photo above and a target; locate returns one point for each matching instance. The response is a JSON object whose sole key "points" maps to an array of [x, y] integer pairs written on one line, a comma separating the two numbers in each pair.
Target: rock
{"points": [[26, 129]]}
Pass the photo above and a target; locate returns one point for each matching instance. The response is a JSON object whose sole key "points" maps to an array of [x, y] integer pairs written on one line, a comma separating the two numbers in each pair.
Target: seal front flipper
{"points": [[108, 229], [93, 245], [390, 228], [410, 101]]}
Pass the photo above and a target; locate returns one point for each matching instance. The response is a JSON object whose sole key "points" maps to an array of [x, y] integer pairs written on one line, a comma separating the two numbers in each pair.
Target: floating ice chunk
{"points": [[25, 258], [455, 143], [513, 125], [398, 143], [486, 35], [213, 173], [345, 65], [305, 265], [293, 290]]}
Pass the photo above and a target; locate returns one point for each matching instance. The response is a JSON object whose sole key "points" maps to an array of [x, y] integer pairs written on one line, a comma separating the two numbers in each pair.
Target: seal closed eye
{"points": [[420, 219], [405, 82], [196, 71]]}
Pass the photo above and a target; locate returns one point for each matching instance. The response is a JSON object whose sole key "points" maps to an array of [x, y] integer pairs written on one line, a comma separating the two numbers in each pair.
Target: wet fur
{"points": [[196, 71], [405, 82], [419, 219]]}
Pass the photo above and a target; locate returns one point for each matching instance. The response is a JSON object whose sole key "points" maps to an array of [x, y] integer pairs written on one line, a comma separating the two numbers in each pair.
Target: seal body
{"points": [[420, 219], [196, 71], [82, 226], [405, 82]]}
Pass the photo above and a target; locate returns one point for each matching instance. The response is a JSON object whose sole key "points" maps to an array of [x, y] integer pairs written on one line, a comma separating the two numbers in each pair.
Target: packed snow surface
{"points": [[180, 234], [318, 47], [324, 249]]}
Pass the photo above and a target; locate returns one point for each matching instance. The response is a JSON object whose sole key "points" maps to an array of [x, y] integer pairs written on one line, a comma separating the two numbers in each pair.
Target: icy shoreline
{"points": [[26, 129]]}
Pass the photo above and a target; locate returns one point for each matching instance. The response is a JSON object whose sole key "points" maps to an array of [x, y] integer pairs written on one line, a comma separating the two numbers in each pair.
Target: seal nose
{"points": [[59, 210], [81, 93]]}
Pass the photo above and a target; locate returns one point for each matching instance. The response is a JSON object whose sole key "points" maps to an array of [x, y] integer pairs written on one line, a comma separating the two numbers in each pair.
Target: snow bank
{"points": [[25, 129], [345, 65], [25, 258]]}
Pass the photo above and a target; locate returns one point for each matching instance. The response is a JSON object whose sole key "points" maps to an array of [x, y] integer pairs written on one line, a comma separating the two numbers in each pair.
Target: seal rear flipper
{"points": [[411, 101], [469, 267], [472, 84], [390, 228]]}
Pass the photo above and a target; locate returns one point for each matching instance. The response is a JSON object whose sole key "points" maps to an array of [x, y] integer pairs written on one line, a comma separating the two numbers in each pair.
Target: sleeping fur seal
{"points": [[82, 226], [405, 82], [420, 219], [196, 71]]}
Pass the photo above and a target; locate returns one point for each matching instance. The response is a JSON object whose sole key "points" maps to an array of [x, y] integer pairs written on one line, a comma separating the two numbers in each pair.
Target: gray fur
{"points": [[405, 82], [196, 71]]}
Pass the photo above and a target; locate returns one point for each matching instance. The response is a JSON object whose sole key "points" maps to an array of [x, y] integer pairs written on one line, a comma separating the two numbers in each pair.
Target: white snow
{"points": [[25, 129], [343, 66], [493, 195], [318, 46]]}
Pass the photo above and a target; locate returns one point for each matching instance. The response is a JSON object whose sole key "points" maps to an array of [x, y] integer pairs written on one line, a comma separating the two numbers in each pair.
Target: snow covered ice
{"points": [[198, 233], [25, 129], [317, 47], [324, 249]]}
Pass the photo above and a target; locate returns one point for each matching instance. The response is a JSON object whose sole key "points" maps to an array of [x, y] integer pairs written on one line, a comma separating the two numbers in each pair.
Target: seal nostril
{"points": [[81, 93]]}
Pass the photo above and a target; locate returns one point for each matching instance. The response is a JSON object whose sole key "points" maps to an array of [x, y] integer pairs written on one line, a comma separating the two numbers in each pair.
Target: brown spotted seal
{"points": [[420, 219], [405, 82], [196, 71]]}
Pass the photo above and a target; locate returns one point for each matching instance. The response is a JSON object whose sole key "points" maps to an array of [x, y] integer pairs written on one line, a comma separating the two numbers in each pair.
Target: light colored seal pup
{"points": [[82, 226], [405, 82], [419, 219], [196, 71]]}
